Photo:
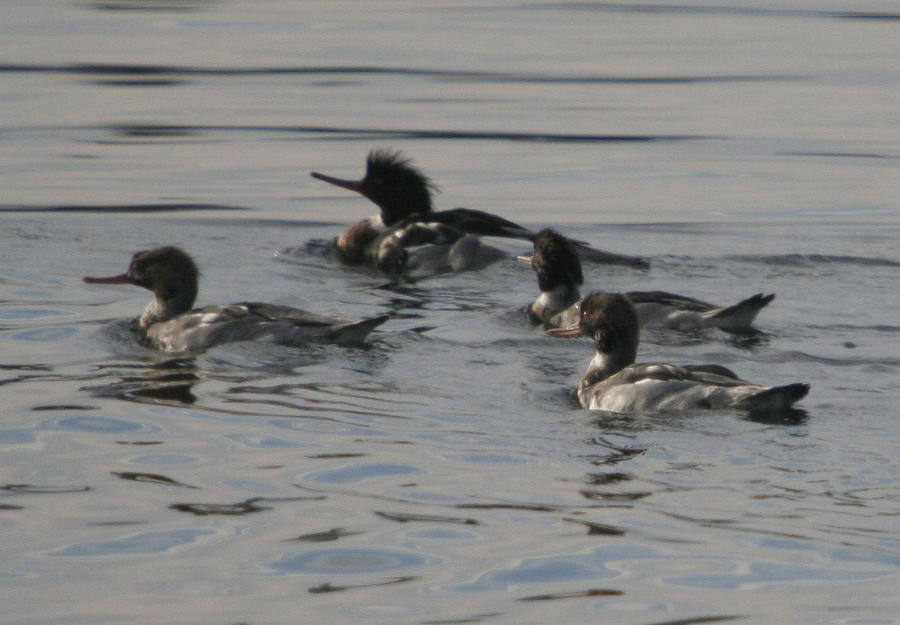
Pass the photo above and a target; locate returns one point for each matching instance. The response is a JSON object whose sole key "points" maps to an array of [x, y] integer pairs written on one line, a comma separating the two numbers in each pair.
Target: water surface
{"points": [[444, 473]]}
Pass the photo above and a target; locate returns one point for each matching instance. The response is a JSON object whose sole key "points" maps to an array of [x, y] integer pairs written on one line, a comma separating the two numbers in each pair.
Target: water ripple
{"points": [[152, 478], [33, 489], [812, 260], [402, 517], [344, 132], [248, 506], [333, 534], [593, 592], [362, 472], [717, 9], [347, 560], [125, 69], [117, 208], [145, 542], [328, 587]]}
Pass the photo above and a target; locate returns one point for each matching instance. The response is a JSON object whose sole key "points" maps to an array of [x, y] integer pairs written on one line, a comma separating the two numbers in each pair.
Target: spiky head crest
{"points": [[555, 261], [399, 188]]}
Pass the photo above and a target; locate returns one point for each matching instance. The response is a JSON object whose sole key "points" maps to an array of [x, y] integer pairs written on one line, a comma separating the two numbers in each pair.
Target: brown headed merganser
{"points": [[403, 194], [169, 324], [559, 275], [614, 383], [418, 248]]}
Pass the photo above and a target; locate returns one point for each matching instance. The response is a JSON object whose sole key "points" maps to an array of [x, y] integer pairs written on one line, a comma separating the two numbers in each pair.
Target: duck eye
{"points": [[139, 267]]}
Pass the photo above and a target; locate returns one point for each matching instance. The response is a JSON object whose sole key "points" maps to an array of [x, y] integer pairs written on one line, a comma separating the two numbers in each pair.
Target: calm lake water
{"points": [[444, 473]]}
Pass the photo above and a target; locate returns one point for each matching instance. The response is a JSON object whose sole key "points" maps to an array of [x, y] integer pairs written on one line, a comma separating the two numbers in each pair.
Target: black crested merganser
{"points": [[169, 324], [403, 194], [558, 270], [614, 383]]}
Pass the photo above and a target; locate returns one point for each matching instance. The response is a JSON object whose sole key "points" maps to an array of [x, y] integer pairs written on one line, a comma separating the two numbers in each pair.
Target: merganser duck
{"points": [[169, 324], [426, 249], [559, 275], [403, 193], [614, 383]]}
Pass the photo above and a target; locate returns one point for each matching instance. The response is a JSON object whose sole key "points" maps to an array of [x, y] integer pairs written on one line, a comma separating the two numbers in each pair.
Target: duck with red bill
{"points": [[168, 322], [403, 194]]}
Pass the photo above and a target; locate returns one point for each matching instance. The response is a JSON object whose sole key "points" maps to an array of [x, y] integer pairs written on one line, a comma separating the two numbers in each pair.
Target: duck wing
{"points": [[203, 328], [664, 298], [475, 221], [313, 327], [715, 375], [717, 370], [276, 312]]}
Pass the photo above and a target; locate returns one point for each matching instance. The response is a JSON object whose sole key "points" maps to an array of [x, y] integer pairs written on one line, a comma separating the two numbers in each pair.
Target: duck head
{"points": [[169, 273], [555, 261], [612, 322], [393, 183]]}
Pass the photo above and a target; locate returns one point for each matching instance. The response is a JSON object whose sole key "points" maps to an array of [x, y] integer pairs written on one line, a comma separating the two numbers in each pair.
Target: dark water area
{"points": [[444, 473]]}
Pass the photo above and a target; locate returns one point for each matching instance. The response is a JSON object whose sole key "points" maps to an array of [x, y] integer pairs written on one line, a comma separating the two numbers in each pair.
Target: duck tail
{"points": [[355, 332], [775, 399], [740, 316]]}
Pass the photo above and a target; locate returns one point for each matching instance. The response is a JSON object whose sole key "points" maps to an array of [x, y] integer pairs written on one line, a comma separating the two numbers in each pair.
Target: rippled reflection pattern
{"points": [[349, 561]]}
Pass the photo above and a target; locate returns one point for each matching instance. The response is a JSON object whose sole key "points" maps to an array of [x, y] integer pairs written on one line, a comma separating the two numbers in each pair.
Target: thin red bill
{"points": [[351, 185], [120, 279], [565, 332]]}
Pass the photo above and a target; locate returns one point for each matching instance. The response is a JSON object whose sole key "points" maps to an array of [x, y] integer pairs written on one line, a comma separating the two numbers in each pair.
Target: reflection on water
{"points": [[593, 592], [235, 509], [151, 5], [334, 533], [142, 543], [426, 518], [348, 561], [432, 74], [327, 587], [598, 529], [33, 489], [152, 478], [774, 12], [166, 382]]}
